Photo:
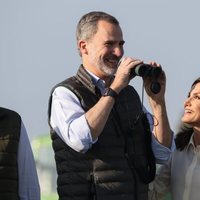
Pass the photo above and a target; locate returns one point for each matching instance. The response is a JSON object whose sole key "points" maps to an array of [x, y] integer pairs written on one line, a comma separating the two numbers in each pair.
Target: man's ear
{"points": [[82, 45]]}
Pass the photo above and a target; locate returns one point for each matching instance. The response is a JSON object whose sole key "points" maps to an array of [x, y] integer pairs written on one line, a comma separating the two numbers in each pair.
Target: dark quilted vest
{"points": [[10, 123], [117, 166]]}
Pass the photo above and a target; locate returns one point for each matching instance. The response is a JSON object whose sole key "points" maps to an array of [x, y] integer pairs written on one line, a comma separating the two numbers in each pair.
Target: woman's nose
{"points": [[188, 101]]}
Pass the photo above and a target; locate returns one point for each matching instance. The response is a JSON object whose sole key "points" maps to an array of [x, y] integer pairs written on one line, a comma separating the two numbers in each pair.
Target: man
{"points": [[100, 134], [18, 176]]}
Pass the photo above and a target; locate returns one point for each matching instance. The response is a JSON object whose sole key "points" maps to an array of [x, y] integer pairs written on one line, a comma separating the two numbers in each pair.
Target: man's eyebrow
{"points": [[113, 41]]}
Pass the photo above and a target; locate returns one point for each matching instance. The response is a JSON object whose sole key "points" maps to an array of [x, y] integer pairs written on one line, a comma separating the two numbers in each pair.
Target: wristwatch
{"points": [[110, 92]]}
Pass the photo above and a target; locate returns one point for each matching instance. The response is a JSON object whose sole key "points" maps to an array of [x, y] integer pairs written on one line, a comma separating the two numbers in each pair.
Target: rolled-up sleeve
{"points": [[68, 120], [162, 153]]}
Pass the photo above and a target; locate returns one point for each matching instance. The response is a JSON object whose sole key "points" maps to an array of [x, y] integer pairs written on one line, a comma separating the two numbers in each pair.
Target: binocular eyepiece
{"points": [[145, 70]]}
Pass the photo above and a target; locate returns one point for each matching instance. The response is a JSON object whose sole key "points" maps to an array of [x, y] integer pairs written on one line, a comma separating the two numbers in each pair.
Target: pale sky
{"points": [[38, 49]]}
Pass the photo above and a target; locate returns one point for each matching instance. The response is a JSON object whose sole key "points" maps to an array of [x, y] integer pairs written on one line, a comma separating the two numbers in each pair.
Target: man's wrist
{"points": [[110, 92]]}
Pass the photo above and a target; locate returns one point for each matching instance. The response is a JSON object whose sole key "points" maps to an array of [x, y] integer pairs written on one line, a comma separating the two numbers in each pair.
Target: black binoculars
{"points": [[145, 70]]}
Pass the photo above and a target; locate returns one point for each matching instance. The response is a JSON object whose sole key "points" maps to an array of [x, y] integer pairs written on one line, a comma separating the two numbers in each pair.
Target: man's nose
{"points": [[118, 51]]}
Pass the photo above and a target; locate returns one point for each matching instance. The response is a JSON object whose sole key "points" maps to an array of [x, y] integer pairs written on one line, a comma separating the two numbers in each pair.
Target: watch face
{"points": [[106, 92], [110, 92]]}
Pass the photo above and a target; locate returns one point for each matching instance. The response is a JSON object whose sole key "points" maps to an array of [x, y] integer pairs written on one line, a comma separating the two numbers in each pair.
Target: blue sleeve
{"points": [[29, 188], [161, 153]]}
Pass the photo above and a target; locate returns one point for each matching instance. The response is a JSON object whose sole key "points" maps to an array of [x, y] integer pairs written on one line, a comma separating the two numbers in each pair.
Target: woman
{"points": [[181, 176]]}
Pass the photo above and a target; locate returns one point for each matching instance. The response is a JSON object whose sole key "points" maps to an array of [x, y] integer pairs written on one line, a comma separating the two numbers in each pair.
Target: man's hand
{"points": [[123, 74]]}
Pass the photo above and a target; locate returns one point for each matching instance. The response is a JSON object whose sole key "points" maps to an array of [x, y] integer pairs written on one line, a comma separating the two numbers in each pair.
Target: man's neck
{"points": [[108, 79]]}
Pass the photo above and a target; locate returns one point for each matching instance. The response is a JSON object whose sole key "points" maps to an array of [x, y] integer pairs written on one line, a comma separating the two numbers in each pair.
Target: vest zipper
{"points": [[93, 192]]}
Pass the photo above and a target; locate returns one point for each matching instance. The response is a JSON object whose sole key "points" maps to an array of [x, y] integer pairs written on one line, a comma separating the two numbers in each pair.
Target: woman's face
{"points": [[191, 115]]}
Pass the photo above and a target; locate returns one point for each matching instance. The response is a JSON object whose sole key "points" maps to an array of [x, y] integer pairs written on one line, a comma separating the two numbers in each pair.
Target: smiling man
{"points": [[101, 136]]}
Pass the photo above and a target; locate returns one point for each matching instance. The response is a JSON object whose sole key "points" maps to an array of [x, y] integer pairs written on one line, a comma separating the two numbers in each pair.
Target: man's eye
{"points": [[108, 44], [121, 44]]}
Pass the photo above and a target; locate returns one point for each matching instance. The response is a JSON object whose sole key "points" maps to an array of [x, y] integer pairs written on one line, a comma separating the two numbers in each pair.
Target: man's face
{"points": [[105, 49], [192, 107]]}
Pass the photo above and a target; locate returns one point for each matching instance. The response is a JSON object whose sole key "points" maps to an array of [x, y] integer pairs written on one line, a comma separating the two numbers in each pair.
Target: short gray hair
{"points": [[87, 25]]}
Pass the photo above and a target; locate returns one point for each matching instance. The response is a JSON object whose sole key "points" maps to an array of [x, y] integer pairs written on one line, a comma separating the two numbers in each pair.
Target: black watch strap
{"points": [[110, 92]]}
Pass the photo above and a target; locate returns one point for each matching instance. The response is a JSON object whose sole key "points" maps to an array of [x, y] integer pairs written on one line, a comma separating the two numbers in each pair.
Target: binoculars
{"points": [[145, 70]]}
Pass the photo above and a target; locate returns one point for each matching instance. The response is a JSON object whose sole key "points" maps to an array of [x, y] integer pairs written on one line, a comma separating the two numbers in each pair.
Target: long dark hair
{"points": [[185, 131]]}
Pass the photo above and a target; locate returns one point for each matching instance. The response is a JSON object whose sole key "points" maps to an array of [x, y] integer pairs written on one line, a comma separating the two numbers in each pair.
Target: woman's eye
{"points": [[196, 97]]}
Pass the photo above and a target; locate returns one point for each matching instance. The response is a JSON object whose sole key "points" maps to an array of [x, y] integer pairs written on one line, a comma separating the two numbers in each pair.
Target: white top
{"points": [[68, 120], [29, 188], [181, 174]]}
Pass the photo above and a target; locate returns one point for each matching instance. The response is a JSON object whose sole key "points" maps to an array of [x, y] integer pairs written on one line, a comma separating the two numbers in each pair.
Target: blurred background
{"points": [[38, 49]]}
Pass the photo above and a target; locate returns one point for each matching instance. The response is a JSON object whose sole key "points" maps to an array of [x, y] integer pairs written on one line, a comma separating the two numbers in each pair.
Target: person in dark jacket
{"points": [[18, 175], [100, 132]]}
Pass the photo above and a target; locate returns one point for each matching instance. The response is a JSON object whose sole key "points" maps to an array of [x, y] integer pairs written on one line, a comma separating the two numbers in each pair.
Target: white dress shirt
{"points": [[68, 120], [29, 188]]}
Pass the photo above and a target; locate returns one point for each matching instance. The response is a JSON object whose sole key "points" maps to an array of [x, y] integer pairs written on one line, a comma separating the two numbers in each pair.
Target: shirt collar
{"points": [[191, 143], [97, 81]]}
